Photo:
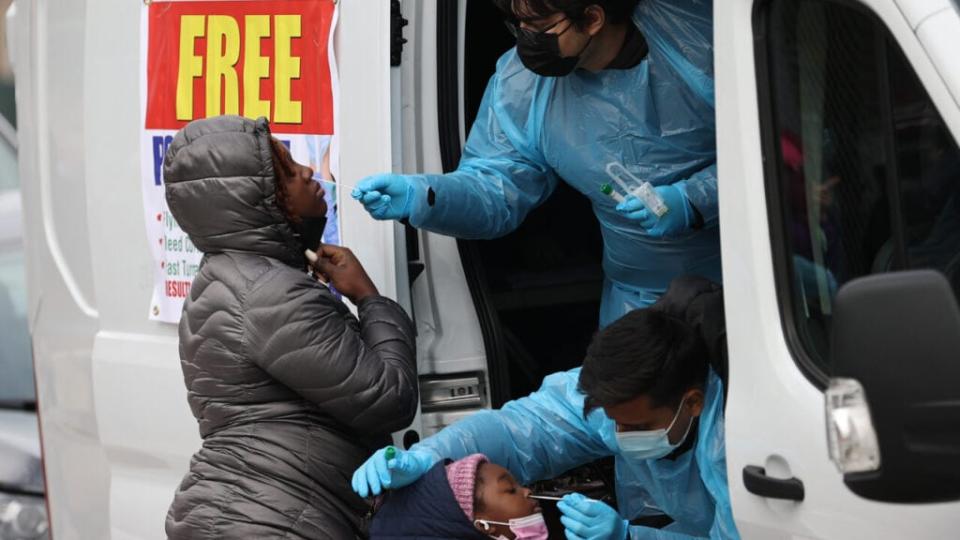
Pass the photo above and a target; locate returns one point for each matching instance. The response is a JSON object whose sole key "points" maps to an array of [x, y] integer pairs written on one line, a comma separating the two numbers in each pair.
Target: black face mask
{"points": [[540, 51], [311, 232]]}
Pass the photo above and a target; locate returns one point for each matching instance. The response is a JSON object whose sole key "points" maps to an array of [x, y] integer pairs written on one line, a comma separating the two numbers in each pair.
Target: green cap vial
{"points": [[607, 190]]}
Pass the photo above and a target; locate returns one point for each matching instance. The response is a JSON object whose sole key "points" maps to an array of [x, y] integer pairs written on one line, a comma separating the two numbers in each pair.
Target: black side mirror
{"points": [[898, 335]]}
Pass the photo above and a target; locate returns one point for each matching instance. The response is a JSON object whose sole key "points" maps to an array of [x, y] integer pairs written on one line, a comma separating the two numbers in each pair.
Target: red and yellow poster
{"points": [[248, 57]]}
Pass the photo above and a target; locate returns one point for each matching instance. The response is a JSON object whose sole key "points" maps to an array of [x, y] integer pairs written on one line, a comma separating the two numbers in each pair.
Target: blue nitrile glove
{"points": [[679, 216], [379, 473], [385, 196], [588, 519]]}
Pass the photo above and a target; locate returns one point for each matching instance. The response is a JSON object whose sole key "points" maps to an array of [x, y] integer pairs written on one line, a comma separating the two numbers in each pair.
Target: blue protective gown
{"points": [[656, 118], [545, 434]]}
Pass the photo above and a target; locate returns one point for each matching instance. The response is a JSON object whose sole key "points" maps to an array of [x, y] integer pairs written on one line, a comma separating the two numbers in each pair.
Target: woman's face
{"points": [[502, 498], [304, 194]]}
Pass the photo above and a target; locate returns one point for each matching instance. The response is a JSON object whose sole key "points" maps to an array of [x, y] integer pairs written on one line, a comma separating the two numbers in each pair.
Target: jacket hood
{"points": [[425, 509], [220, 186]]}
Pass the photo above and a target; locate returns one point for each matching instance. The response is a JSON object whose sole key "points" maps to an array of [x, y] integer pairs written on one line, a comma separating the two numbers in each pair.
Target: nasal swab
{"points": [[545, 497], [332, 183]]}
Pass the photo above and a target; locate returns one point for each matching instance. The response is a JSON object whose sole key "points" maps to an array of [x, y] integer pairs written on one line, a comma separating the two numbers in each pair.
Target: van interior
{"points": [[537, 290]]}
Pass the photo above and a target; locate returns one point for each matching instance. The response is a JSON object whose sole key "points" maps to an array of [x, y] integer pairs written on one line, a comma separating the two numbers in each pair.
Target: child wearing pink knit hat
{"points": [[468, 498]]}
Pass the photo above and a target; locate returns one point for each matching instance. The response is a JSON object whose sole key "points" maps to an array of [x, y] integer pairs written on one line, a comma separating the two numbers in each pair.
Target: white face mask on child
{"points": [[531, 527]]}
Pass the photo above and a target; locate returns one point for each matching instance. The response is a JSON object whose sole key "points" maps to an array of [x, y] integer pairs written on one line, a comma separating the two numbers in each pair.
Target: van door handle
{"points": [[757, 482]]}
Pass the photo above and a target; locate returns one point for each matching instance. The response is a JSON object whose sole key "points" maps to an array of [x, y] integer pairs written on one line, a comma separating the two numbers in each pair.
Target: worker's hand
{"points": [[379, 473], [588, 519], [385, 196], [340, 267], [679, 216]]}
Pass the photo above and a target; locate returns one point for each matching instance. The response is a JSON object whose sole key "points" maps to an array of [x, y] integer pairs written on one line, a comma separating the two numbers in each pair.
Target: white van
{"points": [[838, 123]]}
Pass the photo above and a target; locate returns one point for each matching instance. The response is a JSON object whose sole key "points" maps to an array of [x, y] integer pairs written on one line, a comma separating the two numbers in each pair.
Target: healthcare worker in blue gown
{"points": [[646, 394], [589, 83]]}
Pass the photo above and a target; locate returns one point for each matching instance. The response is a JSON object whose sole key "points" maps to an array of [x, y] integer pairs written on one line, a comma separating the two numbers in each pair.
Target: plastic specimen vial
{"points": [[632, 185]]}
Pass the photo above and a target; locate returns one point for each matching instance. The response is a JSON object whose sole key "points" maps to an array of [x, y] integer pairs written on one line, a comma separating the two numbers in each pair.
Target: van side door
{"points": [[838, 156]]}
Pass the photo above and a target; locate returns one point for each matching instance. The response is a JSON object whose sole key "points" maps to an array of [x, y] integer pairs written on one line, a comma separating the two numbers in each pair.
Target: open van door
{"points": [[116, 426], [838, 124]]}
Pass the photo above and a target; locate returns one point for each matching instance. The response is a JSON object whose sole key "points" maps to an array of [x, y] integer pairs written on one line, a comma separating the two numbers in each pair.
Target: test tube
{"points": [[390, 453], [608, 190], [639, 188], [651, 200]]}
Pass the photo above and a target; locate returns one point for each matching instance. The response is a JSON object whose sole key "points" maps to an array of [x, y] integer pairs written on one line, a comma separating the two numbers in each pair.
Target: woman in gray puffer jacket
{"points": [[291, 391]]}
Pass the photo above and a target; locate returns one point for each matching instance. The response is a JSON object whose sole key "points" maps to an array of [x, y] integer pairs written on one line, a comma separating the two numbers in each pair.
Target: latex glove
{"points": [[385, 196], [378, 473], [589, 519], [679, 216]]}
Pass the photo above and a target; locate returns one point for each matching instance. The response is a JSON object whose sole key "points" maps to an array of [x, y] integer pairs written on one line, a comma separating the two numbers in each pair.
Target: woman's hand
{"points": [[340, 267]]}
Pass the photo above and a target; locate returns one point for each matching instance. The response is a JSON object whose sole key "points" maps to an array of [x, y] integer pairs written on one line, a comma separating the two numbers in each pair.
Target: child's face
{"points": [[502, 497]]}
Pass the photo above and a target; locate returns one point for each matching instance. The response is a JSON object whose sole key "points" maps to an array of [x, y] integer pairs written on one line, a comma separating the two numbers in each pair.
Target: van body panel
{"points": [[116, 426], [775, 416], [47, 40], [917, 12], [939, 36]]}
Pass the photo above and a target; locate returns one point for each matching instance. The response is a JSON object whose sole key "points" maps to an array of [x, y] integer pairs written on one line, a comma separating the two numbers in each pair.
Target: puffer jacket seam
{"points": [[293, 526], [244, 355], [309, 503], [257, 282], [247, 229], [224, 177], [222, 504]]}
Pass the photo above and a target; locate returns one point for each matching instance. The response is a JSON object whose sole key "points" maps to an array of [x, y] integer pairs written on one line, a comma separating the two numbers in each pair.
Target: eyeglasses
{"points": [[513, 25]]}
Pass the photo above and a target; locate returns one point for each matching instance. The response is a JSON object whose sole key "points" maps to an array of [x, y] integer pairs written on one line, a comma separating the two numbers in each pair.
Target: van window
{"points": [[862, 174]]}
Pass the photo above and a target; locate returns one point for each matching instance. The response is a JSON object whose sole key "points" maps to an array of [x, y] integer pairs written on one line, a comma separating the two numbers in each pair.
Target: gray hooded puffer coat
{"points": [[291, 392]]}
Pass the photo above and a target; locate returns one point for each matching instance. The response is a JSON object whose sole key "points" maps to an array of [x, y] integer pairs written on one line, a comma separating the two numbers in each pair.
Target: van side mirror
{"points": [[898, 335]]}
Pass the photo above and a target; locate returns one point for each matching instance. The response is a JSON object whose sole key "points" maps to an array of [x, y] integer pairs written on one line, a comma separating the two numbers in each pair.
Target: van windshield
{"points": [[16, 360]]}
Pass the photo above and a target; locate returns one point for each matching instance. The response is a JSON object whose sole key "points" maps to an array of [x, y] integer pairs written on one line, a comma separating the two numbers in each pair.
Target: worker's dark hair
{"points": [[645, 352], [283, 170], [617, 11]]}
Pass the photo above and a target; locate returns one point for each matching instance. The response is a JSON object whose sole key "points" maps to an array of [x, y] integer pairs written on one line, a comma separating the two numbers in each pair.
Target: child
{"points": [[471, 499]]}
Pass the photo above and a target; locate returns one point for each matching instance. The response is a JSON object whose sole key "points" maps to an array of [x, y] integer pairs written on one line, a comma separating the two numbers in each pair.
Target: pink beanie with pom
{"points": [[462, 476]]}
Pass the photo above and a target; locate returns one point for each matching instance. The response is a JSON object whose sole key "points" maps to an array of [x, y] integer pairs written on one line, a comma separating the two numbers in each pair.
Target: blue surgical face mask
{"points": [[653, 444]]}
